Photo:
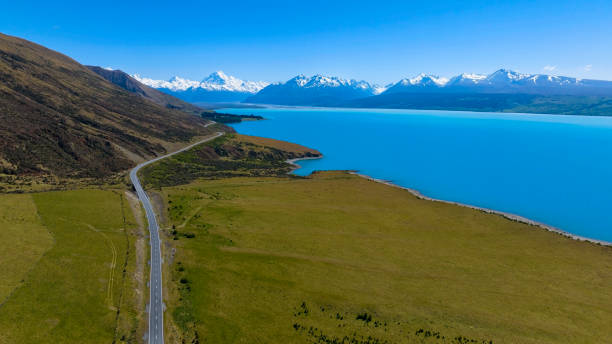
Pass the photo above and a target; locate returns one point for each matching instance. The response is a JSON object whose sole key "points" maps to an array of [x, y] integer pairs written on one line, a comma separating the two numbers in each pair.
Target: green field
{"points": [[69, 268], [23, 241], [335, 258]]}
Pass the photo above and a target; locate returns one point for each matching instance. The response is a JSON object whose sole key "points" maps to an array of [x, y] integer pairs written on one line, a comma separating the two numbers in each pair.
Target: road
{"points": [[156, 305]]}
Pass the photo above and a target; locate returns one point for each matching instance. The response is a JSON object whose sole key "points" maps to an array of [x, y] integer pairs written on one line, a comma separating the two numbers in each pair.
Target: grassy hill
{"points": [[58, 117]]}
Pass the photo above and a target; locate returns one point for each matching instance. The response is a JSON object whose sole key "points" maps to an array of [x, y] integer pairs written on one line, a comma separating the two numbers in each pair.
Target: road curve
{"points": [[156, 305]]}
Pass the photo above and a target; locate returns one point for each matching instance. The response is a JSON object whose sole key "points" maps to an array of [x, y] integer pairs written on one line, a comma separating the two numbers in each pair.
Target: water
{"points": [[552, 169]]}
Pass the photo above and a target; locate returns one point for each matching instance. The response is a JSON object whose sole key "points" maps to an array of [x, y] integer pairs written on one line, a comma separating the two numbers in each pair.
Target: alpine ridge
{"points": [[217, 87], [505, 81], [318, 90], [502, 90]]}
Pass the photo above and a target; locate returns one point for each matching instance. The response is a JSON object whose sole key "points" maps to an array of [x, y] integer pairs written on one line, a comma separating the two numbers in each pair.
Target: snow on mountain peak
{"points": [[475, 77], [220, 78], [299, 80], [220, 74], [417, 79], [424, 80], [500, 80], [320, 80], [217, 81], [507, 75], [466, 79], [327, 81]]}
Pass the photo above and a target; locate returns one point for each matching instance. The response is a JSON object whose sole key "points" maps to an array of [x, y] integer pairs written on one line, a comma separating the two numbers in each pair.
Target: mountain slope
{"points": [[217, 87], [318, 90], [58, 117], [128, 83], [420, 83]]}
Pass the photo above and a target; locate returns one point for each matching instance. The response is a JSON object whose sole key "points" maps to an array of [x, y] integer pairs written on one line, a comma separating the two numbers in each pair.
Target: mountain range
{"points": [[217, 87], [502, 90], [318, 90], [330, 91]]}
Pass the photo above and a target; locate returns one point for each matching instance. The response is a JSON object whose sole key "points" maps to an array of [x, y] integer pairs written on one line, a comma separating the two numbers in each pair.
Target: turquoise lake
{"points": [[549, 168]]}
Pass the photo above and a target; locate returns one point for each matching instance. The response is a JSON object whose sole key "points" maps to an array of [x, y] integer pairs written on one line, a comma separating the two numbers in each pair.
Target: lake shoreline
{"points": [[508, 216], [296, 166]]}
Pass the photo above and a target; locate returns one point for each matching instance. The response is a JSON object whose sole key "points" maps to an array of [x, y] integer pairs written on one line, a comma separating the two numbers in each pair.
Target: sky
{"points": [[378, 41]]}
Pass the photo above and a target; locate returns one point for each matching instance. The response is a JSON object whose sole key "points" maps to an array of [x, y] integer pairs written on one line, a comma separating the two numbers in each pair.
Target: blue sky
{"points": [[379, 41]]}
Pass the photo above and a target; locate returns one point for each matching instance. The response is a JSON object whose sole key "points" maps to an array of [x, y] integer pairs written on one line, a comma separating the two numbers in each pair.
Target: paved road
{"points": [[156, 305]]}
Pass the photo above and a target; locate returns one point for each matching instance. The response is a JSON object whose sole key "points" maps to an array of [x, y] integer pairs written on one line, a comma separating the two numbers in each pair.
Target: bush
{"points": [[364, 317]]}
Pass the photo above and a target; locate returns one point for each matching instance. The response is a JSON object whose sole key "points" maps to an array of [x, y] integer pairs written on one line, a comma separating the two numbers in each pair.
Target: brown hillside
{"points": [[59, 117], [128, 83]]}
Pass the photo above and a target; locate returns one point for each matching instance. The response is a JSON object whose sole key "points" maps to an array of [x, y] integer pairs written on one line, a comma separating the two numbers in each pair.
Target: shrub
{"points": [[364, 317]]}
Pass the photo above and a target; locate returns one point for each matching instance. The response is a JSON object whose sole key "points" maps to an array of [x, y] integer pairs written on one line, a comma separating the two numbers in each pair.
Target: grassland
{"points": [[23, 239], [71, 268], [259, 257], [271, 260]]}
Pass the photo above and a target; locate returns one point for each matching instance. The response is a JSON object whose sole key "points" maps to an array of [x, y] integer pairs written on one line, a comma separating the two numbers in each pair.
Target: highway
{"points": [[156, 305]]}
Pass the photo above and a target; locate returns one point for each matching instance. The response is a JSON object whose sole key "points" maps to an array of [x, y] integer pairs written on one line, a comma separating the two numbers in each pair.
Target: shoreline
{"points": [[293, 162], [428, 110], [508, 216]]}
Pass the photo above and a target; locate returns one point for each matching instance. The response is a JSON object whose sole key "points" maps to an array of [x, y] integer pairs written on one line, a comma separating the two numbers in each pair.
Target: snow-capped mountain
{"points": [[317, 90], [219, 81], [322, 90], [321, 81], [466, 79], [502, 90], [174, 84], [505, 76], [217, 87], [502, 81], [421, 82], [509, 80]]}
